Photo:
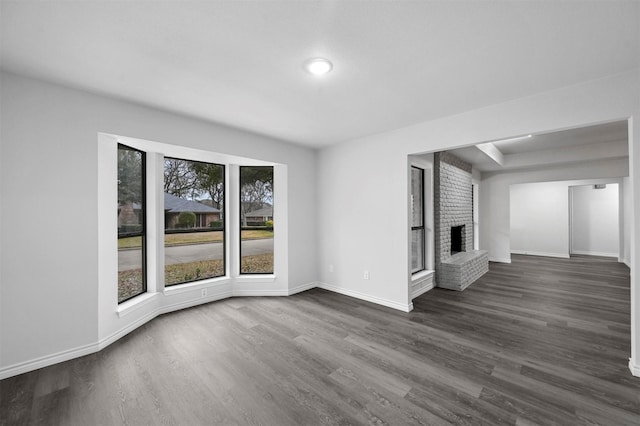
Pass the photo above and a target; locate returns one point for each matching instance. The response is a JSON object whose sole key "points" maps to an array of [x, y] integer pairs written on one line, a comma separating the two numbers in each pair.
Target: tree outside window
{"points": [[256, 220], [131, 223], [194, 233]]}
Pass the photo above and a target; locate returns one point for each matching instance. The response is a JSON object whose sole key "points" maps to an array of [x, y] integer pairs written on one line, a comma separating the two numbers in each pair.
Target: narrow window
{"points": [[194, 235], [131, 223], [256, 220], [417, 220]]}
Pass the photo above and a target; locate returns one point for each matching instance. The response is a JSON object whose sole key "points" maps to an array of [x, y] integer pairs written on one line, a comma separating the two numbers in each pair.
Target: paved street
{"points": [[130, 259]]}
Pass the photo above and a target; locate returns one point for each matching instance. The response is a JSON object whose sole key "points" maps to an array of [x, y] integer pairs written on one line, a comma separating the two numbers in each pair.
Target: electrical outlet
{"points": [[365, 275], [330, 268], [203, 292]]}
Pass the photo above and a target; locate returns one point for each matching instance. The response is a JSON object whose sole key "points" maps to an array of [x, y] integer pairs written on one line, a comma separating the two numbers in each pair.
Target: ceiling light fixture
{"points": [[318, 66]]}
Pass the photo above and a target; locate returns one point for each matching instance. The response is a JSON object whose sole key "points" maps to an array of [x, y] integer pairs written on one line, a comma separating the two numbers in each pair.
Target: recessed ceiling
{"points": [[588, 135], [589, 143], [395, 63]]}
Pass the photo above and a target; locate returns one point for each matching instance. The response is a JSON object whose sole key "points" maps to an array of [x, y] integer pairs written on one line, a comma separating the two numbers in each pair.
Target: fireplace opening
{"points": [[457, 239]]}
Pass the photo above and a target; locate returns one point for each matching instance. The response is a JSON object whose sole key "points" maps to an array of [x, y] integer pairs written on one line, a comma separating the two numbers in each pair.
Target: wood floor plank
{"points": [[540, 341]]}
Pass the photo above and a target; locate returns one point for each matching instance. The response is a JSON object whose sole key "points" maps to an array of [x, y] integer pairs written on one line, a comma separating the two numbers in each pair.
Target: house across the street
{"points": [[173, 206], [261, 215]]}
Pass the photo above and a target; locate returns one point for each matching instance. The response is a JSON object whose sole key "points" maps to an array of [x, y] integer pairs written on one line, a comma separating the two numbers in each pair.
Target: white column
{"points": [[634, 172], [155, 222], [280, 225], [232, 222]]}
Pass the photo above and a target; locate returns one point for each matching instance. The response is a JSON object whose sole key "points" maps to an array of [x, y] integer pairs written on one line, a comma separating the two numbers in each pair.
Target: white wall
{"points": [[540, 221], [50, 207], [595, 220], [363, 183], [495, 231], [539, 215], [364, 225], [627, 202]]}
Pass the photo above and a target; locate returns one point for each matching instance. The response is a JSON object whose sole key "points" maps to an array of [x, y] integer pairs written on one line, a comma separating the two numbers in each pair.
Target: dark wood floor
{"points": [[539, 341]]}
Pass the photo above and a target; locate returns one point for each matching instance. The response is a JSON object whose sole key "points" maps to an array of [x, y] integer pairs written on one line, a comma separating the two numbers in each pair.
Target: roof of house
{"points": [[265, 211], [175, 204]]}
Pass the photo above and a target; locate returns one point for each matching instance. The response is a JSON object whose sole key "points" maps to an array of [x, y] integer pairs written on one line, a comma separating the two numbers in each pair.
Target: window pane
{"points": [[193, 220], [417, 246], [131, 214], [416, 196], [417, 219], [256, 220]]}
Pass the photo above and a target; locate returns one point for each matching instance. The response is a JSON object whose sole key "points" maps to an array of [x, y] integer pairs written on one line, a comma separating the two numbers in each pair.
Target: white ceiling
{"points": [[396, 63]]}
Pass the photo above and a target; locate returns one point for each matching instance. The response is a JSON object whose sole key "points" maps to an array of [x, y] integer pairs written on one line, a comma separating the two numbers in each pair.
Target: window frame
{"points": [[223, 213], [422, 219], [143, 214]]}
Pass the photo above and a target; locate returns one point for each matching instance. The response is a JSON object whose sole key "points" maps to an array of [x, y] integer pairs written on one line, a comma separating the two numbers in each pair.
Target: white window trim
{"points": [[252, 278], [133, 304], [196, 285]]}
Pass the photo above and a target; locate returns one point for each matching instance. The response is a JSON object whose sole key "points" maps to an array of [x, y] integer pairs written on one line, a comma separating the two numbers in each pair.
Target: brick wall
{"points": [[453, 204]]}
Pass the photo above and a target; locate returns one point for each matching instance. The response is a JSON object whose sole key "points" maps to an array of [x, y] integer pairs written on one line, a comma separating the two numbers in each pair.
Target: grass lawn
{"points": [[185, 272], [254, 234], [130, 282], [193, 238], [257, 264]]}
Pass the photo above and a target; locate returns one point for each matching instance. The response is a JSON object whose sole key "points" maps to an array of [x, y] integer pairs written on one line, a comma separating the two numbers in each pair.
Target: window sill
{"points": [[251, 278], [421, 275], [134, 304], [187, 287]]}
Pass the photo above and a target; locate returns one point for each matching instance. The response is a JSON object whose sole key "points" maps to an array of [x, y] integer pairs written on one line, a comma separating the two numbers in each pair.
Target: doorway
{"points": [[594, 220]]}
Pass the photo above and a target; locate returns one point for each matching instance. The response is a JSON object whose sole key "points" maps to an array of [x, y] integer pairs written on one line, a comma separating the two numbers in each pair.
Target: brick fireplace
{"points": [[458, 239], [457, 264]]}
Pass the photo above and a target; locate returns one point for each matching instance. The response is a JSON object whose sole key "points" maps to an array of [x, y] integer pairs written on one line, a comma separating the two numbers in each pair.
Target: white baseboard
{"points": [[500, 259], [635, 368], [302, 287], [422, 291], [421, 283], [226, 294], [288, 292], [627, 262], [47, 360], [594, 253], [113, 337], [373, 299], [541, 253], [259, 293]]}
